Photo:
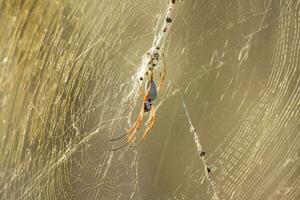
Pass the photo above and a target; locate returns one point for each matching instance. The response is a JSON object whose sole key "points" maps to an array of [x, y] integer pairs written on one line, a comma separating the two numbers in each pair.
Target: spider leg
{"points": [[138, 122], [133, 128], [118, 138], [163, 74], [150, 123], [136, 144], [120, 147], [131, 139], [131, 131]]}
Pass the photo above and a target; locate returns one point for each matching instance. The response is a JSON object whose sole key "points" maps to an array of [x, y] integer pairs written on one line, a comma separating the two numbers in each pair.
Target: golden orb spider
{"points": [[150, 95]]}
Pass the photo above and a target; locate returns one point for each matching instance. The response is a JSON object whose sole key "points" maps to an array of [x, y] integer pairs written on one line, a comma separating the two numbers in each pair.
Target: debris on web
{"points": [[201, 152], [151, 59]]}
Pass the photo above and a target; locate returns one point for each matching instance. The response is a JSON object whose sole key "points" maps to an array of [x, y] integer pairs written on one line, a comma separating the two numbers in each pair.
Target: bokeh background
{"points": [[65, 68]]}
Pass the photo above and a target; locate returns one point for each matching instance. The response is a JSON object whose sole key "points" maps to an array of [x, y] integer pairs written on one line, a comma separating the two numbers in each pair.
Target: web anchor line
{"points": [[201, 154]]}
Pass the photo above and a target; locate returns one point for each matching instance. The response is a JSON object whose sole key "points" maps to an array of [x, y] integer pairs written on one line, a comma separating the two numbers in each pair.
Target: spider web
{"points": [[232, 90]]}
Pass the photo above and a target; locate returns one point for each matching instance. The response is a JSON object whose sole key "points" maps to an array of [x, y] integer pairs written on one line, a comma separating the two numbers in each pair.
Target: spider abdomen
{"points": [[152, 91]]}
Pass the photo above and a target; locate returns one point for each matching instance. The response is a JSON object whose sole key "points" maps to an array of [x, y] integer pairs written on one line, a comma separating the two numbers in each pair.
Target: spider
{"points": [[150, 95]]}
